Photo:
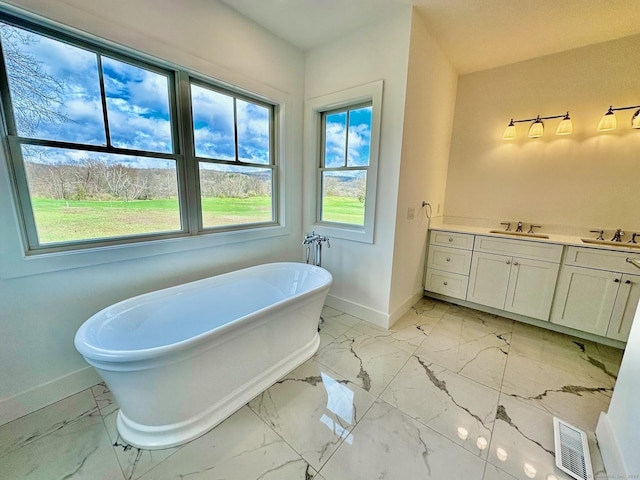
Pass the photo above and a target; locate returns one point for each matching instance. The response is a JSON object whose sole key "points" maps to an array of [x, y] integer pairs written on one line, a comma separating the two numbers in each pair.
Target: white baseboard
{"points": [[404, 308], [365, 313], [42, 395], [613, 462]]}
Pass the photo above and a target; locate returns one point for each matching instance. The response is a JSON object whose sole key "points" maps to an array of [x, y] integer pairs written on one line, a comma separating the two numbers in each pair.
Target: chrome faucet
{"points": [[316, 240], [617, 237], [519, 227]]}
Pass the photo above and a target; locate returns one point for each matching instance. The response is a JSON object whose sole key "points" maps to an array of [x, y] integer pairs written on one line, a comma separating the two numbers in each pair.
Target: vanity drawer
{"points": [[445, 283], [549, 252], [454, 260], [452, 239], [602, 259]]}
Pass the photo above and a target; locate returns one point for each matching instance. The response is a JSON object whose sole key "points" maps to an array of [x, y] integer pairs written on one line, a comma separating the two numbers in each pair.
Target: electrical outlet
{"points": [[411, 213]]}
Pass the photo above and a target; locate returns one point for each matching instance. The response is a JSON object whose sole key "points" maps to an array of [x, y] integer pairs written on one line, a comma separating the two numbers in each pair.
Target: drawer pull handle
{"points": [[445, 283], [616, 280], [448, 259], [633, 261]]}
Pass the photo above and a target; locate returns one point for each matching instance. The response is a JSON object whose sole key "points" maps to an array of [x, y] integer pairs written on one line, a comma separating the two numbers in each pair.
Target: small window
{"points": [[344, 164], [346, 130]]}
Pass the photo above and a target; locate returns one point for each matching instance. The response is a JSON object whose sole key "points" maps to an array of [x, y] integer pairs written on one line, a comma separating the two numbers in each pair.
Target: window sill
{"points": [[344, 232], [14, 263]]}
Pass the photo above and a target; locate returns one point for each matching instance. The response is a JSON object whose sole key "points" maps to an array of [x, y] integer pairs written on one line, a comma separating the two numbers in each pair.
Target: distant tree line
{"points": [[93, 179], [345, 187]]}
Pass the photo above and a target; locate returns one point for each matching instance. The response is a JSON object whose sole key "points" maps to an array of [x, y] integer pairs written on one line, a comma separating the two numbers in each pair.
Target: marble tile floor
{"points": [[371, 404]]}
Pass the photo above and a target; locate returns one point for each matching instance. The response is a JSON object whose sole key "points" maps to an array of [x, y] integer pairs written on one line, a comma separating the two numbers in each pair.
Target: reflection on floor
{"points": [[448, 393]]}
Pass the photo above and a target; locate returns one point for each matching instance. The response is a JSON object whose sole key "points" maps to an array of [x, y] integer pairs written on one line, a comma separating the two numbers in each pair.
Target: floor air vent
{"points": [[572, 450]]}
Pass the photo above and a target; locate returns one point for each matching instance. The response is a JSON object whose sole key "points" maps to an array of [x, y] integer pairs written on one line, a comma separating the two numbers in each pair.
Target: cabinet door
{"points": [[625, 308], [531, 287], [488, 279], [585, 298]]}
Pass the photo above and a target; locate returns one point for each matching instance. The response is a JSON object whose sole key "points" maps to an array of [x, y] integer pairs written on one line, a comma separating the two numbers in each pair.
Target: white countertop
{"points": [[553, 237]]}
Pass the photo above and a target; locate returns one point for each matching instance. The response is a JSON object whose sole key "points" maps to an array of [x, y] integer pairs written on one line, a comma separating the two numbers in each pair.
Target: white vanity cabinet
{"points": [[598, 292], [521, 282], [448, 262]]}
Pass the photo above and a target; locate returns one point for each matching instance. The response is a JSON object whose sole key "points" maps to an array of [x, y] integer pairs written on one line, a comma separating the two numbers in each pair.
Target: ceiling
{"points": [[474, 34]]}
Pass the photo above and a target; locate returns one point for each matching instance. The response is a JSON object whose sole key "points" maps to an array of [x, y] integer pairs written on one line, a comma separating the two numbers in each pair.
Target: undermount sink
{"points": [[520, 234], [610, 243]]}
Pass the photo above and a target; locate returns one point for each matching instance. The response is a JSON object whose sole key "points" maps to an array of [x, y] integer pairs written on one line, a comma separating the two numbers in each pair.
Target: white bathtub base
{"points": [[170, 435]]}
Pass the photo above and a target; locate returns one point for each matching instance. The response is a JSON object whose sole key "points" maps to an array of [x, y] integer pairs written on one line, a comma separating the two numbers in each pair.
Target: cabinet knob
{"points": [[516, 264], [508, 262], [617, 280], [448, 259], [627, 282], [450, 239], [445, 283]]}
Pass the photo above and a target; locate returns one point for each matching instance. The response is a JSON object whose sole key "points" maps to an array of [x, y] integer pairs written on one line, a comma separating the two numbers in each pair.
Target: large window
{"points": [[344, 132], [108, 148]]}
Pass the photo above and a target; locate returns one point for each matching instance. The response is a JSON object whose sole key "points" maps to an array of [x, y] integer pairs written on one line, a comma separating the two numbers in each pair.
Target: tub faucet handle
{"points": [[633, 238], [508, 224], [532, 227], [600, 234]]}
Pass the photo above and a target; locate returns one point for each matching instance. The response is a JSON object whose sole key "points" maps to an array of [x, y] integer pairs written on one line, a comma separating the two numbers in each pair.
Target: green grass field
{"points": [[69, 220]]}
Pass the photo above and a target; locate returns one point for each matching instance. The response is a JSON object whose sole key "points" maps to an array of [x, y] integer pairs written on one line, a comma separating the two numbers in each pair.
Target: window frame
{"points": [[183, 153], [315, 109]]}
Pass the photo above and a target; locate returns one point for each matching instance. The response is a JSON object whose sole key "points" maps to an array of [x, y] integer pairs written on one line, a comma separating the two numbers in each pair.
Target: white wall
{"points": [[39, 313], [583, 181], [361, 271], [428, 122]]}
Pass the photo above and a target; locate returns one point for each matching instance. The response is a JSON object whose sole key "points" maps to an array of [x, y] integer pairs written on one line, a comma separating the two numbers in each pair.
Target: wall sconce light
{"points": [[609, 122], [565, 127]]}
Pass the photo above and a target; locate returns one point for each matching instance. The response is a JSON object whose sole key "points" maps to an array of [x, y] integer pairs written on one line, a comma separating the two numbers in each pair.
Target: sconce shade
{"points": [[608, 121], [635, 121], [537, 129], [565, 127], [510, 131]]}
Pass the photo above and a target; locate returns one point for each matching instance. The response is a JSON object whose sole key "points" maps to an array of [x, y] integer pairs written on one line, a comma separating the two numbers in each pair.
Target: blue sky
{"points": [[353, 148], [138, 109]]}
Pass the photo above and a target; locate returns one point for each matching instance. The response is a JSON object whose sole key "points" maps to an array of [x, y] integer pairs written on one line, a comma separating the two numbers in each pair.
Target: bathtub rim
{"points": [[101, 357]]}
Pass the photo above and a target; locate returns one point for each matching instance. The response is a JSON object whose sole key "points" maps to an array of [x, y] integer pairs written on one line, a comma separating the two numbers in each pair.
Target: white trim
{"points": [[47, 393], [370, 92], [364, 313], [405, 307], [611, 456]]}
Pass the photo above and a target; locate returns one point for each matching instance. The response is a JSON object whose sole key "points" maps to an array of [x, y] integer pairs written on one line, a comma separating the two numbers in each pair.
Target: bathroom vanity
{"points": [[587, 289]]}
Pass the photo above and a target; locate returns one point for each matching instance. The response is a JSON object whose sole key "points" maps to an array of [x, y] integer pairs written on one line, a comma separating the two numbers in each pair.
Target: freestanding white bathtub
{"points": [[182, 359]]}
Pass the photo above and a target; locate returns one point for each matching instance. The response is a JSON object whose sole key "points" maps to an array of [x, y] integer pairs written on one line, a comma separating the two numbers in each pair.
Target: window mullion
{"points": [[235, 128], [103, 99], [346, 139], [190, 186]]}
